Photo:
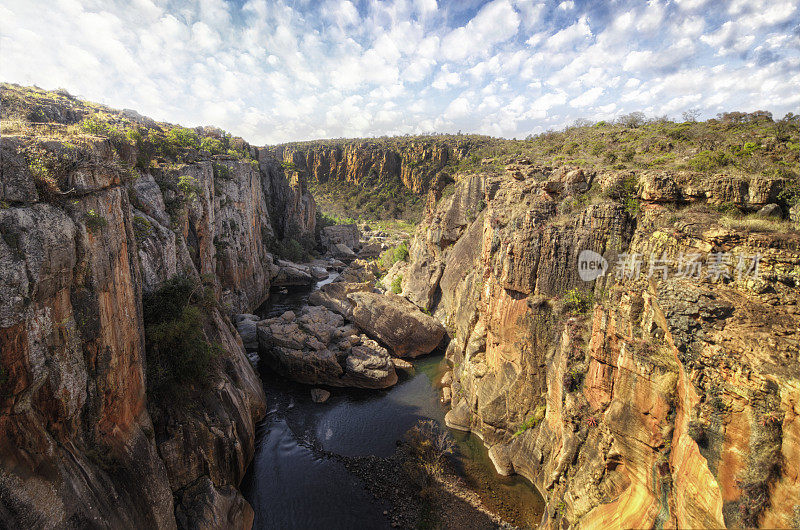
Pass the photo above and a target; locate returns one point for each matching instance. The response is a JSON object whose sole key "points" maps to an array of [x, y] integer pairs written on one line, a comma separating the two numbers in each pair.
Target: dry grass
{"points": [[753, 223]]}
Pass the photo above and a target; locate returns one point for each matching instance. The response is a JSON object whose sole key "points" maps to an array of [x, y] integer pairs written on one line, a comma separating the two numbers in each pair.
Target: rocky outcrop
{"points": [[83, 237], [340, 234], [628, 401], [413, 163], [316, 347], [389, 318]]}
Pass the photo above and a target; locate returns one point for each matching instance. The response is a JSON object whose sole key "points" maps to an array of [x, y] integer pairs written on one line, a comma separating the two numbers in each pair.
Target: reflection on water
{"points": [[290, 486]]}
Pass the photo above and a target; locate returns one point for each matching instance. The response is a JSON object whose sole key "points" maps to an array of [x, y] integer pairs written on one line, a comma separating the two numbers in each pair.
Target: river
{"points": [[291, 484]]}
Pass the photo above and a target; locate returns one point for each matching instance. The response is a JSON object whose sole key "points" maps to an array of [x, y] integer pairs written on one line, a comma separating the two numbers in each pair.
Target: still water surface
{"points": [[292, 486]]}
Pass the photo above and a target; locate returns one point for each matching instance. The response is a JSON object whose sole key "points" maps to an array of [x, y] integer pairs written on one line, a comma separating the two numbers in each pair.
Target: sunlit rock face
{"points": [[79, 442], [628, 402]]}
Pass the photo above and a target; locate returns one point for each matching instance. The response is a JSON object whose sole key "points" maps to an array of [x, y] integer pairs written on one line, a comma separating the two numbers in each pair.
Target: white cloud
{"points": [[496, 22], [578, 33], [587, 98], [288, 70]]}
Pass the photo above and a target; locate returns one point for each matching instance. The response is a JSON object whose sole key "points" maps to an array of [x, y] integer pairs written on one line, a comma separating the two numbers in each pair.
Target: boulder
{"points": [[288, 274], [360, 271], [318, 395], [349, 235], [247, 331], [388, 318], [770, 211], [334, 296], [446, 395], [319, 273], [371, 250], [794, 213], [499, 456], [396, 322], [400, 364], [205, 506], [458, 417], [315, 347], [342, 251]]}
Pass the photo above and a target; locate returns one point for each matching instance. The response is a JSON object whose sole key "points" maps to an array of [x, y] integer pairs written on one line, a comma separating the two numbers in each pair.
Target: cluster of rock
{"points": [[652, 406], [346, 336], [316, 347]]}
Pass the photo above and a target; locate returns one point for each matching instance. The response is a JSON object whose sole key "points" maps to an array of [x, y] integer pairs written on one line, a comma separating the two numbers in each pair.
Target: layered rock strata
{"points": [[660, 399], [79, 443]]}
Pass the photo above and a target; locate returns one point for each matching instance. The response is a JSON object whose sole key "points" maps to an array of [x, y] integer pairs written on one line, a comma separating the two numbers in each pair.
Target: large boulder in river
{"points": [[396, 322], [388, 318], [316, 347], [289, 274], [334, 296]]}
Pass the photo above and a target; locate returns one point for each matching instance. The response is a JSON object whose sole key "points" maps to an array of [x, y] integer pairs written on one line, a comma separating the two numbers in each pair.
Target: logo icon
{"points": [[591, 265]]}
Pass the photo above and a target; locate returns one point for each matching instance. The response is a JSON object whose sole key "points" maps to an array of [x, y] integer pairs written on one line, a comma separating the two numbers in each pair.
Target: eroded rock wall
{"points": [[413, 163], [649, 402], [78, 446]]}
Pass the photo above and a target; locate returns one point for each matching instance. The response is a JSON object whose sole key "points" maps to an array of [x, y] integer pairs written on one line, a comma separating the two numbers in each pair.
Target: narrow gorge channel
{"points": [[299, 477]]}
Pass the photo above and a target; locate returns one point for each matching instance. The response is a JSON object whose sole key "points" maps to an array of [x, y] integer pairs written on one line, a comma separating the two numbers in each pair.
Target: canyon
{"points": [[637, 398]]}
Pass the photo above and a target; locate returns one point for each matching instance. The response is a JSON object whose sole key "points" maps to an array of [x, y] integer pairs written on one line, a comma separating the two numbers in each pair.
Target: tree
{"points": [[632, 120], [691, 115]]}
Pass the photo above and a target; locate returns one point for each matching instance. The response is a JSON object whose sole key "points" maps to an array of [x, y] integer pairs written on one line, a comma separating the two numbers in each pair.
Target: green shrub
{"points": [[183, 138], [141, 227], [178, 352], [392, 255], [94, 220], [533, 420], [577, 302], [397, 284], [189, 186], [212, 145], [222, 171], [709, 160]]}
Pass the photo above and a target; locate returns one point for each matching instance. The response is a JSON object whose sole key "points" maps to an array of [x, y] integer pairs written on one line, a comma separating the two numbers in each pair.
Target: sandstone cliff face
{"points": [[413, 163], [659, 402], [78, 446]]}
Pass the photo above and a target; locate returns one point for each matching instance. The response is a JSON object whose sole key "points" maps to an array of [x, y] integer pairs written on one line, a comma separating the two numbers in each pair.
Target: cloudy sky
{"points": [[281, 70]]}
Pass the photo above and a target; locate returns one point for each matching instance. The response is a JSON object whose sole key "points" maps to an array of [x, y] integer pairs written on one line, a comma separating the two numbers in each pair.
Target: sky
{"points": [[286, 70]]}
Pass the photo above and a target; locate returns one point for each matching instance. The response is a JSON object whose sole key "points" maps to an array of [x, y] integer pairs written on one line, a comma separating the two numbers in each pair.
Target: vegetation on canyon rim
{"points": [[735, 143]]}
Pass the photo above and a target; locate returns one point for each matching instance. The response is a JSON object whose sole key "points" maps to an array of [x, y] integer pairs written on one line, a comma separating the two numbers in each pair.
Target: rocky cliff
{"points": [[85, 236], [375, 176], [660, 394]]}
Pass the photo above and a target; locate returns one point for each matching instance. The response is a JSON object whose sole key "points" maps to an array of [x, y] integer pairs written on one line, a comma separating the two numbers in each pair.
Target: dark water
{"points": [[291, 486]]}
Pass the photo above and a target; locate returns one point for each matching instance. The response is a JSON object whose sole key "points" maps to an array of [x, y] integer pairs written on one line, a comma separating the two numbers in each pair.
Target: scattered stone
{"points": [[319, 395], [400, 364], [446, 394]]}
